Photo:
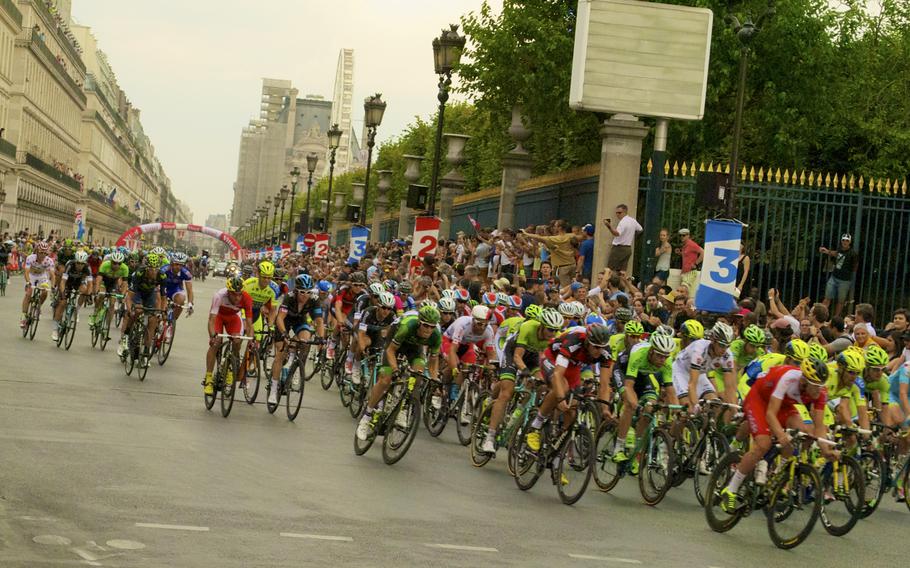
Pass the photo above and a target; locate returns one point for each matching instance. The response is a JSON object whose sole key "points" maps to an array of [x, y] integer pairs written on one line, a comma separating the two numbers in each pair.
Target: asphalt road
{"points": [[100, 469]]}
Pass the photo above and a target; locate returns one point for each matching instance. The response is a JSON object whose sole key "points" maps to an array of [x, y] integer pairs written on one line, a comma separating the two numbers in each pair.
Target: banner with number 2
{"points": [[321, 245], [426, 238], [717, 285]]}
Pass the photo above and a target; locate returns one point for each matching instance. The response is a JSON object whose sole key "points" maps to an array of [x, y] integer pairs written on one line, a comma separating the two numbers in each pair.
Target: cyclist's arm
{"points": [[279, 322], [518, 358], [605, 388], [339, 315], [391, 354], [694, 373], [433, 364], [211, 325], [771, 416], [558, 384], [189, 291], [452, 356], [320, 326]]}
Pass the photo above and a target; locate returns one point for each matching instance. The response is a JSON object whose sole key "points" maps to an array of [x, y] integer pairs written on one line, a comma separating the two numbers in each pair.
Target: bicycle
{"points": [[287, 387], [707, 444], [396, 416], [33, 313], [164, 335], [884, 468], [843, 482], [518, 410], [4, 278], [653, 450], [67, 328], [792, 486], [227, 362], [354, 396], [100, 326], [337, 371], [251, 372], [119, 312], [137, 352], [566, 448]]}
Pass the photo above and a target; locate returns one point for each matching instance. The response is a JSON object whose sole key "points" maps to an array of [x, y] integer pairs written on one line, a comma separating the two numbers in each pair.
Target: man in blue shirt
{"points": [[586, 252]]}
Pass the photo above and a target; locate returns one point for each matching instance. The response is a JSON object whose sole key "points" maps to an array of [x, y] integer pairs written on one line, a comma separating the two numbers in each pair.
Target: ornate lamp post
{"points": [[2, 201], [446, 54], [263, 216], [311, 160], [295, 177], [373, 109], [283, 196], [334, 135], [273, 236], [267, 233]]}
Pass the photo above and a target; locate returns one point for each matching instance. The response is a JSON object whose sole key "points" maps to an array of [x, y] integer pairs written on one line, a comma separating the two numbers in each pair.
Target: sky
{"points": [[195, 69]]}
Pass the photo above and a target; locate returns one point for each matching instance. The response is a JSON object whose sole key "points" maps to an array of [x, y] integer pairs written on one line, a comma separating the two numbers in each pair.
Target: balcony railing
{"points": [[51, 22], [10, 8], [40, 165], [8, 148], [42, 47]]}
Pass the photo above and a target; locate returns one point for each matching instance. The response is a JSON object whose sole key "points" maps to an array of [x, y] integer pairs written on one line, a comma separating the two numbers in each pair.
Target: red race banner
{"points": [[426, 238], [321, 245]]}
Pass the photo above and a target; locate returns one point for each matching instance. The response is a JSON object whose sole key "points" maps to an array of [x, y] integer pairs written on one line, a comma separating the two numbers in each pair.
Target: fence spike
{"points": [[684, 169], [743, 173], [667, 168], [851, 183], [751, 173], [786, 176], [811, 178], [878, 185], [711, 166], [675, 168], [828, 179], [761, 174], [727, 169], [777, 176], [888, 186], [650, 165], [860, 183], [701, 167], [904, 187], [692, 169]]}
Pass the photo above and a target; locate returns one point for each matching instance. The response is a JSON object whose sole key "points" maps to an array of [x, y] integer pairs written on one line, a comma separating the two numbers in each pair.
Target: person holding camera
{"points": [[623, 237]]}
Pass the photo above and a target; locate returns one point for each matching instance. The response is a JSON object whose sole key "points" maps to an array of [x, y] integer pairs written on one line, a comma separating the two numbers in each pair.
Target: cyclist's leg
{"points": [[179, 299]]}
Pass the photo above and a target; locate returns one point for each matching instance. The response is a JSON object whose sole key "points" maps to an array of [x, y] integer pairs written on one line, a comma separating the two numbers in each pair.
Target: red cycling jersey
{"points": [[347, 297], [782, 382]]}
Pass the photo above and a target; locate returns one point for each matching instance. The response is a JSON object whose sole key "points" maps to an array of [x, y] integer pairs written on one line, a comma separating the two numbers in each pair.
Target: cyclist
{"points": [[845, 399], [147, 287], [178, 284], [65, 254], [561, 367], [344, 304], [874, 378], [461, 341], [364, 301], [770, 408], [76, 276], [795, 351], [700, 357], [520, 356], [39, 267], [299, 316], [446, 312], [631, 334], [372, 328], [747, 348], [264, 293], [413, 334], [224, 317], [113, 273], [647, 373]]}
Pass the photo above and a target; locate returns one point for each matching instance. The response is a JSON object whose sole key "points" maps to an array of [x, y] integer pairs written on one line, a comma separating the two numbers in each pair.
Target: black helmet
{"points": [[358, 278], [598, 335]]}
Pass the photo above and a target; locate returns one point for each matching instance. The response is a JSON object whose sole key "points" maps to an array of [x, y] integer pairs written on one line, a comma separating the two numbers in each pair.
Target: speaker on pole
{"points": [[712, 190]]}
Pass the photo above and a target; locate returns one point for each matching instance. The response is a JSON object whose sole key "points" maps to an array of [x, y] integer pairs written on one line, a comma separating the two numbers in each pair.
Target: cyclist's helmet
{"points": [[722, 334], [578, 309], [876, 356], [325, 286], [852, 359], [594, 319], [68, 243], [427, 302], [797, 349], [303, 282], [387, 300], [533, 311], [662, 344], [266, 269], [447, 305], [42, 247], [481, 313], [768, 338], [551, 319], [817, 352], [428, 314], [179, 258], [159, 251], [816, 372], [462, 295], [566, 310], [358, 278], [754, 335], [117, 257], [693, 329], [598, 335], [634, 327], [405, 287], [391, 285], [81, 256], [502, 299], [663, 329], [489, 299], [376, 288], [152, 260], [247, 271], [234, 284], [623, 314], [515, 302], [448, 293]]}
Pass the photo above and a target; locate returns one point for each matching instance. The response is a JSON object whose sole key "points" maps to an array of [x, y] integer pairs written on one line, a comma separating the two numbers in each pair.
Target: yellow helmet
{"points": [[266, 268], [797, 349], [852, 359], [876, 356], [816, 372], [693, 329], [818, 352]]}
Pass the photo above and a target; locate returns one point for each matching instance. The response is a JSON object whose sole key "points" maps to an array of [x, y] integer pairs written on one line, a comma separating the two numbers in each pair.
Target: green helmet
{"points": [[633, 327], [428, 314], [152, 260], [876, 356], [533, 311], [754, 335]]}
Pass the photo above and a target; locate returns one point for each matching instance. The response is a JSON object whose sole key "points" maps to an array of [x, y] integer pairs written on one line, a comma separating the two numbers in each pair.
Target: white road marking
{"points": [[52, 539], [38, 519], [125, 544], [317, 537], [172, 527], [462, 547], [605, 558]]}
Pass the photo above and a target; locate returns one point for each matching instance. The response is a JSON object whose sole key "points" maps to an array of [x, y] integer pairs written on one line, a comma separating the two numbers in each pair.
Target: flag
{"points": [[80, 230], [474, 223], [138, 205], [358, 243], [716, 291], [111, 196]]}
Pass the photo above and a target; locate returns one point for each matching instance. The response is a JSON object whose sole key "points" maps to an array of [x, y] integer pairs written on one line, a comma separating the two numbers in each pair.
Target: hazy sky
{"points": [[195, 69]]}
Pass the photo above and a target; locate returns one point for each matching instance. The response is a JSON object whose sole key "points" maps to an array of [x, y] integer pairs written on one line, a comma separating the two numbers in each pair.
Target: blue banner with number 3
{"points": [[358, 243], [717, 285]]}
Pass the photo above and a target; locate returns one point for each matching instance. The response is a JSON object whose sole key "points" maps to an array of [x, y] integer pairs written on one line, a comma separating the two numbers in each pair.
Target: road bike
{"points": [[252, 371], [224, 378], [518, 410], [336, 365], [100, 324], [884, 468], [33, 312], [701, 444], [288, 387], [396, 417], [843, 483], [354, 395], [138, 354], [67, 329], [164, 334]]}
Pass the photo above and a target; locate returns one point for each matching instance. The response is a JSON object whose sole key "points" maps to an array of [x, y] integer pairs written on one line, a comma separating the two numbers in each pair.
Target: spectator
{"points": [[890, 340], [692, 255], [586, 252], [623, 237], [482, 255], [533, 294], [864, 314], [562, 251], [846, 263], [841, 339], [662, 253], [743, 270]]}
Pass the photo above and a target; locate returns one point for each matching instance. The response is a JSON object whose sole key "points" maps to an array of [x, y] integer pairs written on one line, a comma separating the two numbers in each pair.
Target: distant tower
{"points": [[341, 109]]}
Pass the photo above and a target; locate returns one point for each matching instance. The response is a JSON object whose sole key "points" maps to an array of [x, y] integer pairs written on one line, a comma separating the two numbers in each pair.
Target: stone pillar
{"points": [[380, 203], [411, 175], [620, 165], [516, 168], [452, 184]]}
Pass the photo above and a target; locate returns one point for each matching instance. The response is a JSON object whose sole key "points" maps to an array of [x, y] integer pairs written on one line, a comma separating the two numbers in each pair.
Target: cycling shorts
{"points": [[756, 413], [146, 299], [508, 372], [231, 324], [109, 283], [171, 291], [572, 374], [41, 280], [647, 386], [465, 351], [681, 384]]}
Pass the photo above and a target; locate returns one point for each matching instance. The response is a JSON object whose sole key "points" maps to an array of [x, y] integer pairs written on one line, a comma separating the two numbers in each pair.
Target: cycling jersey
{"points": [[526, 337], [409, 342], [227, 313], [39, 271], [106, 270], [372, 324], [261, 296], [173, 282], [738, 349], [837, 392], [762, 365], [346, 296], [142, 283], [76, 274], [783, 383], [570, 352], [361, 303], [640, 365], [461, 331], [64, 256], [295, 318], [899, 377], [697, 356], [94, 261]]}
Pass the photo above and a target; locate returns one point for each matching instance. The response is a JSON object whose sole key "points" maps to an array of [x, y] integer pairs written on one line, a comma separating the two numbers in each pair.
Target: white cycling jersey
{"points": [[697, 356]]}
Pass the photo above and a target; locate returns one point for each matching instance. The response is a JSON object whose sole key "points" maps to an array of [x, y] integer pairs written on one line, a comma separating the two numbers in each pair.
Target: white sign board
{"points": [[641, 58]]}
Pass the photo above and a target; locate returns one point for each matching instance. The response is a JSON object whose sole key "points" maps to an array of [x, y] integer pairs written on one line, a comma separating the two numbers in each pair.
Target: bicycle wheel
{"points": [[70, 328], [874, 481], [794, 505], [576, 461], [294, 398], [253, 373], [118, 313], [606, 472], [325, 378], [435, 419], [464, 413], [167, 341], [709, 452], [529, 465], [844, 496], [95, 329], [398, 439], [145, 359], [718, 519], [33, 318], [655, 467], [61, 332], [479, 432], [228, 391], [105, 328], [684, 447]]}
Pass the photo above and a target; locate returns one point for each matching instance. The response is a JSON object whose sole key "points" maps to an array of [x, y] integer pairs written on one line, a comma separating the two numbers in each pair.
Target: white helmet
{"points": [[662, 344], [722, 333], [81, 256], [480, 312], [551, 319], [117, 256], [387, 300], [158, 250], [376, 288], [566, 309], [179, 258], [578, 309], [447, 306], [664, 329], [448, 293]]}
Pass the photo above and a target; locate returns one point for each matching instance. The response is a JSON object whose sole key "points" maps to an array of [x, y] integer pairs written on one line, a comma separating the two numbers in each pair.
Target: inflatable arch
{"points": [[134, 232]]}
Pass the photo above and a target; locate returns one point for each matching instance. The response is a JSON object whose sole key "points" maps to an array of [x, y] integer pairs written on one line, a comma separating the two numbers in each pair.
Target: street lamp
{"points": [[273, 237], [311, 160], [295, 177], [334, 135], [447, 50], [263, 215], [373, 108], [745, 33], [2, 201], [266, 233], [283, 196]]}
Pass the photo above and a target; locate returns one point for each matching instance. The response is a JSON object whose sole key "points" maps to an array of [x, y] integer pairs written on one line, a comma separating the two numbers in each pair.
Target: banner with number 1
{"points": [[717, 285], [426, 238]]}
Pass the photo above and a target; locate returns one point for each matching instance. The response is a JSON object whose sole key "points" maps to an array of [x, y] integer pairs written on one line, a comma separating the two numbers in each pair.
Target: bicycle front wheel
{"points": [[464, 413], [402, 429], [478, 434], [576, 464], [167, 341], [844, 496], [606, 471], [874, 480], [709, 453], [294, 397], [252, 374], [718, 519], [70, 329], [655, 467], [794, 505], [228, 390], [528, 464]]}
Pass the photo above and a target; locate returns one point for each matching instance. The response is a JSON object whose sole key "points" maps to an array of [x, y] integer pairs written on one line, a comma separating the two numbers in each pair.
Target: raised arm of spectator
{"points": [[775, 306]]}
